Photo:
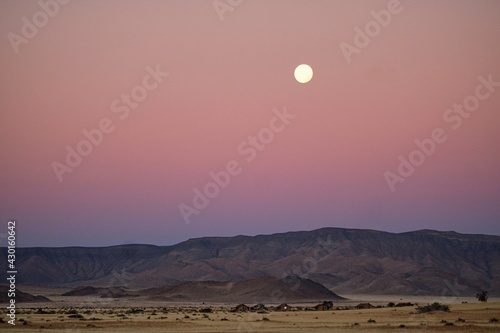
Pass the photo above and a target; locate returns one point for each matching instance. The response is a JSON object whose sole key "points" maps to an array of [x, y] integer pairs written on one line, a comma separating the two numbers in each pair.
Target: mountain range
{"points": [[345, 261]]}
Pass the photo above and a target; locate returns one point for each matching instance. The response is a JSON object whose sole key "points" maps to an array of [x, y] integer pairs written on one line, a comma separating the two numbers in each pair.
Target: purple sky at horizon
{"points": [[225, 100]]}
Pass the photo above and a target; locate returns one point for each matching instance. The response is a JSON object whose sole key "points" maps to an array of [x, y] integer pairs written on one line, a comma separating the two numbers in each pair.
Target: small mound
{"points": [[82, 291], [109, 292], [364, 306], [21, 297]]}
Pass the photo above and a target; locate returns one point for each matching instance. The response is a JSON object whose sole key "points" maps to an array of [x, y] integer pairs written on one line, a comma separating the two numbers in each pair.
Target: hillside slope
{"points": [[260, 290], [345, 260]]}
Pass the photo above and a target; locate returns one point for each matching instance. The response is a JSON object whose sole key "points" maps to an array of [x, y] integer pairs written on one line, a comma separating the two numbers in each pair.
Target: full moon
{"points": [[303, 73]]}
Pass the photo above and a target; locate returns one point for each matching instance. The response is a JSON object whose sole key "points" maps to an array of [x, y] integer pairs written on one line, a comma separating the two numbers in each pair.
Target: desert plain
{"points": [[90, 314]]}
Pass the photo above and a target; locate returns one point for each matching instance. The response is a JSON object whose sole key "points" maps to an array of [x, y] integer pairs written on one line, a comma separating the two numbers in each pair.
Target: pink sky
{"points": [[325, 169]]}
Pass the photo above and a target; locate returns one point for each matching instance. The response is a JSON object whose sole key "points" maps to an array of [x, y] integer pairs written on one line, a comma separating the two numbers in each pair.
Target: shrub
{"points": [[206, 310], [372, 320], [493, 320], [433, 307], [482, 296], [79, 316], [400, 305]]}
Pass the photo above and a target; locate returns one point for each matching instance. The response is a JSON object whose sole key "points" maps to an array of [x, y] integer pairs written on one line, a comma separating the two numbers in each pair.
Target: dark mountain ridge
{"points": [[347, 261]]}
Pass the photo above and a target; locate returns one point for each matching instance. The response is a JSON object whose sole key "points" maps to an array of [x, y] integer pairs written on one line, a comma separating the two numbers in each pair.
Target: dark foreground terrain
{"points": [[469, 317]]}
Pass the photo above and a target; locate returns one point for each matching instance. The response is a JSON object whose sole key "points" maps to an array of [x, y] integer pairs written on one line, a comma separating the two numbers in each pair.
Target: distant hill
{"points": [[103, 292], [21, 297], [260, 290], [347, 261]]}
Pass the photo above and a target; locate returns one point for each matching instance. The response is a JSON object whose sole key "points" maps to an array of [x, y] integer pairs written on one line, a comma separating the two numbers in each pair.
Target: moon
{"points": [[303, 73]]}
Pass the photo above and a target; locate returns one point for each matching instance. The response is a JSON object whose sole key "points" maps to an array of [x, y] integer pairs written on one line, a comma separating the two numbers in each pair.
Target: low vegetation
{"points": [[482, 296], [78, 316], [436, 306]]}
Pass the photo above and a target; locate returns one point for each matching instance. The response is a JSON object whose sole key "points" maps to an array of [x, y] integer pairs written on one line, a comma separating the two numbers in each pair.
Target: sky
{"points": [[154, 122]]}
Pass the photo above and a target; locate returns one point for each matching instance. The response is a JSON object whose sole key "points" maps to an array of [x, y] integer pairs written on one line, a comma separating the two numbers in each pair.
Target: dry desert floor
{"points": [[466, 317]]}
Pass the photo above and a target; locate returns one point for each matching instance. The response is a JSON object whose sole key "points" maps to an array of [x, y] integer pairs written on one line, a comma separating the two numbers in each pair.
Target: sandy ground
{"points": [[91, 314], [468, 317]]}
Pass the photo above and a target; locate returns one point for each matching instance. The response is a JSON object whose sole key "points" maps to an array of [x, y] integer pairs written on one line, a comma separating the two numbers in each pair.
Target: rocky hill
{"points": [[260, 290], [346, 261], [21, 297]]}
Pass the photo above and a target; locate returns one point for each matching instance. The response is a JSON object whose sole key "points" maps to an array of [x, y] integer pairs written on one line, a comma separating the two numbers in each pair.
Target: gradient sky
{"points": [[325, 169]]}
